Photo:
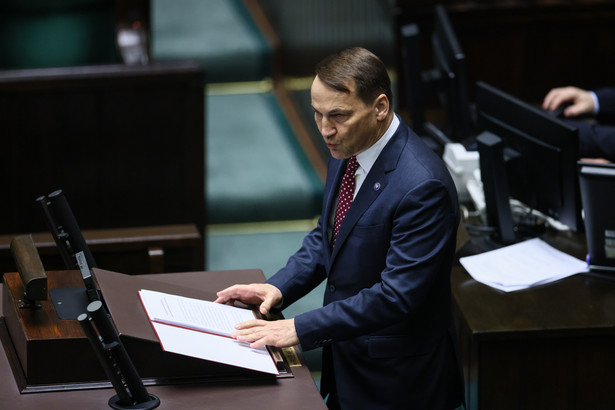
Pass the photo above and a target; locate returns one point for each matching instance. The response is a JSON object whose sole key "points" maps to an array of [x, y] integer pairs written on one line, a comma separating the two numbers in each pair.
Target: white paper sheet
{"points": [[193, 313], [519, 266], [215, 348]]}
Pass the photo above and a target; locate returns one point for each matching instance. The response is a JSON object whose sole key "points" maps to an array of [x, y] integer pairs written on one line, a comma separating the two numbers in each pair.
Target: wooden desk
{"points": [[550, 347], [298, 392], [134, 250], [125, 143], [294, 393]]}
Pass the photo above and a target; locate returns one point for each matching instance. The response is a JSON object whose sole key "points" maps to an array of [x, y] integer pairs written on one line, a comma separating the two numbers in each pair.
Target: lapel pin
{"points": [[377, 186]]}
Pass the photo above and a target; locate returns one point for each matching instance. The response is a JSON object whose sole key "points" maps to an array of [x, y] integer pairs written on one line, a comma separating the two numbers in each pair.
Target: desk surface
{"points": [[294, 393], [575, 304], [298, 392], [544, 347]]}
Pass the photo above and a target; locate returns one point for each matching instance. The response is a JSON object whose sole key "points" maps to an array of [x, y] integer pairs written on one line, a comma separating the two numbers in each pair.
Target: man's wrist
{"points": [[596, 102]]}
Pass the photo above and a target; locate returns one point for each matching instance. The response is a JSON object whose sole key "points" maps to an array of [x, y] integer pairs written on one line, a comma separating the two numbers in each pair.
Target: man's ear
{"points": [[382, 107]]}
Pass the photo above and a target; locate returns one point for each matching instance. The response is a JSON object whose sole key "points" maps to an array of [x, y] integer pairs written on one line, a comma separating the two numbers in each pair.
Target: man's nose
{"points": [[326, 129]]}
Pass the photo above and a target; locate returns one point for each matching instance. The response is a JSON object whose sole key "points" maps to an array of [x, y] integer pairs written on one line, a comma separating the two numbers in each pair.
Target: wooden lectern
{"points": [[52, 354]]}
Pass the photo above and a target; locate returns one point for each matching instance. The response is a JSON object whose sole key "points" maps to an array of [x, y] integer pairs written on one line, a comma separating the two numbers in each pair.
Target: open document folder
{"points": [[522, 265], [202, 329]]}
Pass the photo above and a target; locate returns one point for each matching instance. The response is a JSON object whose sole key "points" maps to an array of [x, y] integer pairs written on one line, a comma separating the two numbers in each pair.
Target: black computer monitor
{"points": [[596, 180], [536, 161], [450, 61], [447, 79]]}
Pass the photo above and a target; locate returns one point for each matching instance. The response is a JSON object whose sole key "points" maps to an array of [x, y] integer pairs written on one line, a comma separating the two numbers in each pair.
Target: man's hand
{"points": [[581, 101], [596, 160], [263, 295], [279, 333]]}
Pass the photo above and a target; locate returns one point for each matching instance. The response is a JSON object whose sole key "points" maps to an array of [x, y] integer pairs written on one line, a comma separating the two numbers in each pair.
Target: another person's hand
{"points": [[581, 101], [279, 333], [596, 160], [263, 295]]}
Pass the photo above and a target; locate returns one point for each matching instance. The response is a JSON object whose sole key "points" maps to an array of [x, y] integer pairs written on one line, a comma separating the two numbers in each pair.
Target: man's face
{"points": [[347, 125]]}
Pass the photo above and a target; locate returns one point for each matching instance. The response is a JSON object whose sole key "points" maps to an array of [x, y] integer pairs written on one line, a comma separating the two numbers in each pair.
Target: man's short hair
{"points": [[360, 66]]}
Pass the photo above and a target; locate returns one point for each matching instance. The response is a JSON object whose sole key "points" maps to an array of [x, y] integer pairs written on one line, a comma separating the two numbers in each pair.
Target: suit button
{"points": [[331, 288]]}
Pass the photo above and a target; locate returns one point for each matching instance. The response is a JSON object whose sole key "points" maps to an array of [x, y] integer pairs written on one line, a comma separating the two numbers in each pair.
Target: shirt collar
{"points": [[368, 157]]}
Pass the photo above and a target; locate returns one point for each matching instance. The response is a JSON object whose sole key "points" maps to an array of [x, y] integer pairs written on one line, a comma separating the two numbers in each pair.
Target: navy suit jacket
{"points": [[386, 322], [597, 140]]}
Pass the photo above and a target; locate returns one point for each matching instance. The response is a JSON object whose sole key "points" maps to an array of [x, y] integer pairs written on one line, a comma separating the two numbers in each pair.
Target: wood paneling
{"points": [[124, 143], [526, 47]]}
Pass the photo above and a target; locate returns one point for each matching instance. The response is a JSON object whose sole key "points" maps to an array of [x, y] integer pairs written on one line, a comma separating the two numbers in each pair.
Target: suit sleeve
{"points": [[303, 271], [595, 140], [606, 99]]}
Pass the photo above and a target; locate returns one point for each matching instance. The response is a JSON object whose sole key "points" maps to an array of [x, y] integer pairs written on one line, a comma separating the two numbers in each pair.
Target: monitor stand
{"points": [[495, 185], [502, 228]]}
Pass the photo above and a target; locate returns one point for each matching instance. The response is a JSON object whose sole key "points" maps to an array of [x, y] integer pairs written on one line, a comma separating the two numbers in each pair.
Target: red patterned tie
{"points": [[346, 194]]}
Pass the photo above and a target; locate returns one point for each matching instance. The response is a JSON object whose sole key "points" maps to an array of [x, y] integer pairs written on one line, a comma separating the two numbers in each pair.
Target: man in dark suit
{"points": [[386, 325], [596, 140]]}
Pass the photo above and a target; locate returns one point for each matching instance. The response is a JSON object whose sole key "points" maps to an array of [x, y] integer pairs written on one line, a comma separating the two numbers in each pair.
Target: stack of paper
{"points": [[522, 265], [202, 329]]}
